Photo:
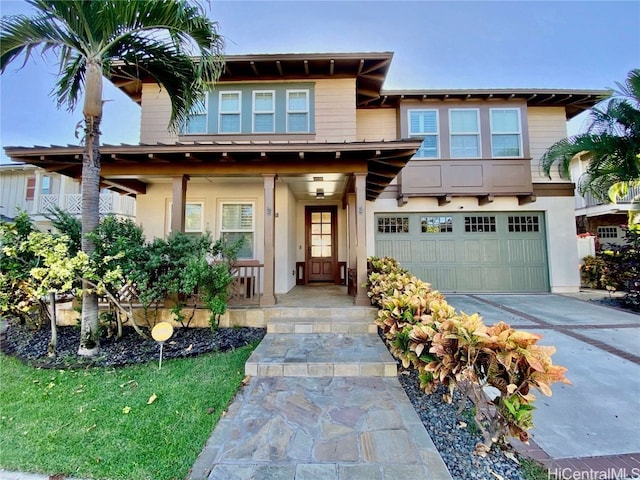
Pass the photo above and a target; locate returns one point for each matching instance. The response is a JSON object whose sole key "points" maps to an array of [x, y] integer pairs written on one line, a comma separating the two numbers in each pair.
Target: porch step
{"points": [[339, 324], [321, 313], [321, 355]]}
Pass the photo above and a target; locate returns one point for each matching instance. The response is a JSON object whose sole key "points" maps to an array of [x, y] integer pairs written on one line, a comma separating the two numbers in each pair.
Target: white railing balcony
{"points": [[110, 203], [590, 201]]}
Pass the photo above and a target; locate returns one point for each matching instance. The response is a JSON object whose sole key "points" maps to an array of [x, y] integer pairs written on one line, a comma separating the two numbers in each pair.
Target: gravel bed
{"points": [[454, 442]]}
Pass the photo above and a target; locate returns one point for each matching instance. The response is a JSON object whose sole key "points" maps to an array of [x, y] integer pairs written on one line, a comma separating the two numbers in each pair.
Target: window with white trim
{"points": [[608, 232], [237, 221], [264, 111], [464, 132], [424, 123], [197, 118], [45, 185], [193, 217], [230, 107], [297, 111], [506, 136]]}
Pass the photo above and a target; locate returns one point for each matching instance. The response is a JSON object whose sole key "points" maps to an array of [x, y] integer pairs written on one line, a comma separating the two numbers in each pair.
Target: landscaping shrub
{"points": [[124, 268], [457, 350], [616, 268]]}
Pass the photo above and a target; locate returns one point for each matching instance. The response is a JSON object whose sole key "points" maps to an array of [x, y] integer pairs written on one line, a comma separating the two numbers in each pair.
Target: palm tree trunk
{"points": [[89, 327], [89, 332]]}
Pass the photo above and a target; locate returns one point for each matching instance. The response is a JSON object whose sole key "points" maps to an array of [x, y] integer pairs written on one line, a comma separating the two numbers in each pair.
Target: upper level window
{"points": [[197, 118], [506, 135], [464, 129], [230, 108], [424, 123], [297, 111], [263, 111]]}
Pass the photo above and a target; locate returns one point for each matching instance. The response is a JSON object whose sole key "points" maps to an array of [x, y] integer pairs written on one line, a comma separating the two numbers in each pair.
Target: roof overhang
{"points": [[124, 167], [368, 69], [574, 101]]}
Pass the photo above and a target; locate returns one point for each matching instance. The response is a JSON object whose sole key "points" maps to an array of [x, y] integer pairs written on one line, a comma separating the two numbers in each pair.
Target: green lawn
{"points": [[97, 423]]}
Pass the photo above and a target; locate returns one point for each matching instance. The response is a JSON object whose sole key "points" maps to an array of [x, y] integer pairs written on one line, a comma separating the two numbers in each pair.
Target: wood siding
{"points": [[155, 115], [377, 124], [547, 125], [335, 113], [13, 192], [336, 110]]}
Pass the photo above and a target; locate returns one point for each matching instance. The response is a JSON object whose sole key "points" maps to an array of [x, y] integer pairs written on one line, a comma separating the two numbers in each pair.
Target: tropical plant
{"points": [[171, 41], [459, 351], [612, 141]]}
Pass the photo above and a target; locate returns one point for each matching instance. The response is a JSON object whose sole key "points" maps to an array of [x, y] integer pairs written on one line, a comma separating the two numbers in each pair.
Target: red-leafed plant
{"points": [[459, 351]]}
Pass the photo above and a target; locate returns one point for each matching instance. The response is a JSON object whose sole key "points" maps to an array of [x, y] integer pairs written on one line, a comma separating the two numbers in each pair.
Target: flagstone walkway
{"points": [[321, 406]]}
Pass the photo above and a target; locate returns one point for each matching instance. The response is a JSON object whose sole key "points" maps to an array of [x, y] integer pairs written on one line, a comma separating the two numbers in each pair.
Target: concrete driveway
{"points": [[599, 415]]}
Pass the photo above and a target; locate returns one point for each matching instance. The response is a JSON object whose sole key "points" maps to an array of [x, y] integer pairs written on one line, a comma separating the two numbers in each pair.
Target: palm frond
{"points": [[612, 141]]}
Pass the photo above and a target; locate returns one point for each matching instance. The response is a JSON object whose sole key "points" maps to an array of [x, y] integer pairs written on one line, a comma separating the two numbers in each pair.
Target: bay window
{"points": [[464, 132], [506, 137], [424, 123]]}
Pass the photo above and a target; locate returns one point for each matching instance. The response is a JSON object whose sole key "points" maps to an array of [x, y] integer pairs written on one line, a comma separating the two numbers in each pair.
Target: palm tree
{"points": [[612, 141], [171, 41]]}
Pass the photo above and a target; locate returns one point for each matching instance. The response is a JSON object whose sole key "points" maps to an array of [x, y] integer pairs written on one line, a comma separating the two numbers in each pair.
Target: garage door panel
{"points": [[443, 251], [399, 249], [472, 251]]}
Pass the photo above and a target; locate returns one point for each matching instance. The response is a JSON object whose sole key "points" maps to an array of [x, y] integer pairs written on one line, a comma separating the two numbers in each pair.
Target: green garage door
{"points": [[468, 252]]}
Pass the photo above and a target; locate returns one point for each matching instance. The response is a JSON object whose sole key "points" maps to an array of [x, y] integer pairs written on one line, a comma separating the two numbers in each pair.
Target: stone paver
{"points": [[324, 427]]}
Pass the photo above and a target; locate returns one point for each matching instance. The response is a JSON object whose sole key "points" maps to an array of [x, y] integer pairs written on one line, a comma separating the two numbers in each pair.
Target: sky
{"points": [[436, 44]]}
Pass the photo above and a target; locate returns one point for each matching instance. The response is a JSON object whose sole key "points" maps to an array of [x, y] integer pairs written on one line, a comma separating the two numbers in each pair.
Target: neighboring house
{"points": [[317, 168], [605, 220], [35, 191]]}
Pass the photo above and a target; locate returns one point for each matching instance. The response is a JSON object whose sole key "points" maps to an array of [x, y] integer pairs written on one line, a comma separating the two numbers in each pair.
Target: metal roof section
{"points": [[127, 168]]}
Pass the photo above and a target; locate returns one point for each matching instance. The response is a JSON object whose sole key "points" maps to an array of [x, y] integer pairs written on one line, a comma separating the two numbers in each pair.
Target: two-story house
{"points": [[36, 191], [308, 159]]}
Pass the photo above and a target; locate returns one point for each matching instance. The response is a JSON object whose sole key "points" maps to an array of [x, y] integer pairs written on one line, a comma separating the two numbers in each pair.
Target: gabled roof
{"points": [[369, 70]]}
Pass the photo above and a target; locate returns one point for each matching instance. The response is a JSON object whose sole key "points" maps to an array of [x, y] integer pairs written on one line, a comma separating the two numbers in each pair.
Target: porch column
{"points": [[351, 215], [268, 297], [179, 203], [361, 240]]}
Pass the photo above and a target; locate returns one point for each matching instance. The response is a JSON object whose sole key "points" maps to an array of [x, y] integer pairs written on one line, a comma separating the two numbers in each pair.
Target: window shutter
{"points": [[31, 188]]}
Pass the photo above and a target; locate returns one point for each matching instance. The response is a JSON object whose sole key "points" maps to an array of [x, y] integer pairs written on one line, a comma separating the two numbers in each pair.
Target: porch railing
{"points": [[246, 288], [72, 203]]}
